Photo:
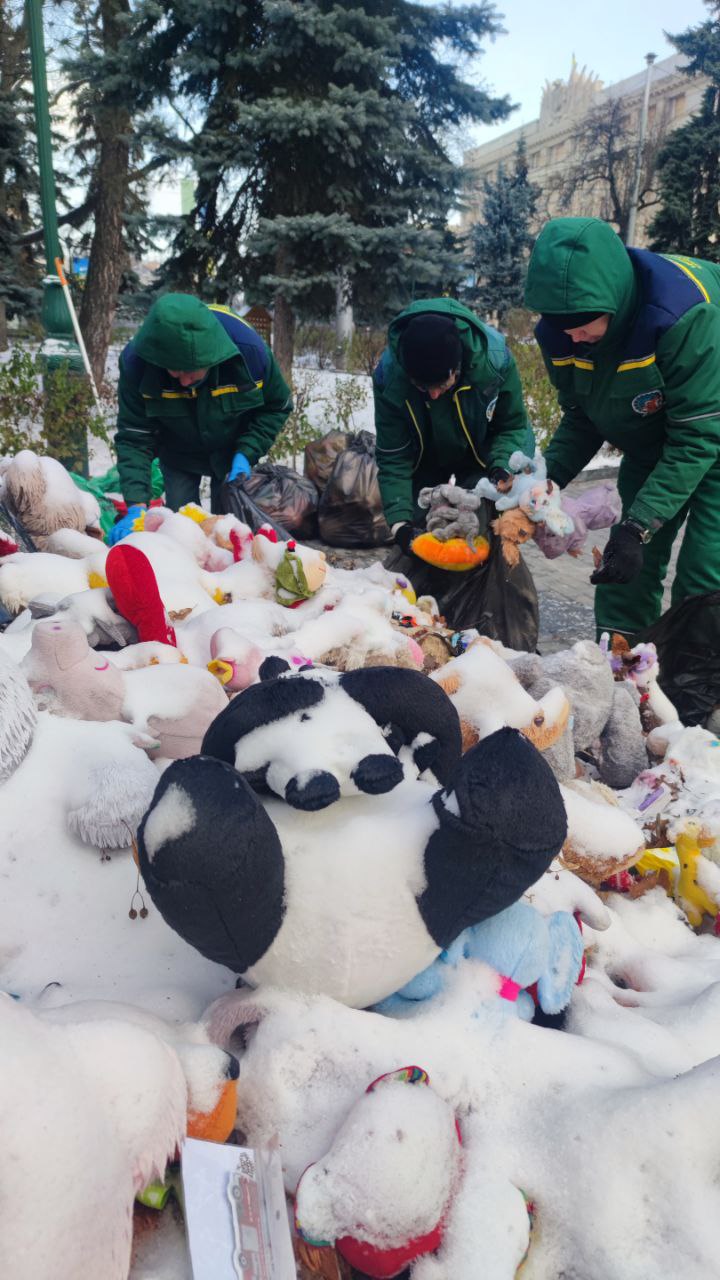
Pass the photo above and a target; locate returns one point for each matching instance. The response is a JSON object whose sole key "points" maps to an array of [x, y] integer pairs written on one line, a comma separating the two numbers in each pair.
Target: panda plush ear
{"points": [[406, 705], [272, 667]]}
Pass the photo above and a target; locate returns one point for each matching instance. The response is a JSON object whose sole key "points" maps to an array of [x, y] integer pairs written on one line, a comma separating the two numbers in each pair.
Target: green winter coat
{"points": [[241, 405], [652, 385], [468, 430]]}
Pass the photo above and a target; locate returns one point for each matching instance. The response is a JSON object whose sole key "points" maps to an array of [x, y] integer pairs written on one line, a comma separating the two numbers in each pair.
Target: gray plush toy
{"points": [[452, 512], [605, 720]]}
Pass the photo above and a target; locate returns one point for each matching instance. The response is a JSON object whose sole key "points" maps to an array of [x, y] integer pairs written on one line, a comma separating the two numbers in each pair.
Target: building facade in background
{"points": [[559, 147]]}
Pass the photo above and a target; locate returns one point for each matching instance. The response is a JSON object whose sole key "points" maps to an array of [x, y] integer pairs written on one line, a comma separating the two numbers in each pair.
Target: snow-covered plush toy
{"points": [[486, 694], [104, 781], [299, 571], [210, 1074], [685, 785], [186, 527], [95, 612], [531, 1105], [603, 839], [535, 495], [313, 736], [173, 704], [41, 494], [355, 899], [25, 575], [525, 948], [639, 668], [605, 718], [452, 539], [235, 661], [358, 1195], [118, 1097]]}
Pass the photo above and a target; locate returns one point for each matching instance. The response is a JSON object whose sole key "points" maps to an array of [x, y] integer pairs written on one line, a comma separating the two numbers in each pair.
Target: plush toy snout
{"points": [[377, 774]]}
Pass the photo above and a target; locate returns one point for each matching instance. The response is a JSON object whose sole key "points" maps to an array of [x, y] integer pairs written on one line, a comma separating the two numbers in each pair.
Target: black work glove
{"points": [[497, 474], [404, 535], [623, 556]]}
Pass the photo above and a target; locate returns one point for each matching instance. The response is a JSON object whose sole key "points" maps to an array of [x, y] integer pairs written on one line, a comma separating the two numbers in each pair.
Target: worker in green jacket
{"points": [[199, 390], [631, 341], [448, 401]]}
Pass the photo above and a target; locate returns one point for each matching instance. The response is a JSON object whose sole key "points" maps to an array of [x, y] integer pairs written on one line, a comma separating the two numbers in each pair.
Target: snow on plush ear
{"points": [[212, 862], [499, 829], [18, 717], [417, 708]]}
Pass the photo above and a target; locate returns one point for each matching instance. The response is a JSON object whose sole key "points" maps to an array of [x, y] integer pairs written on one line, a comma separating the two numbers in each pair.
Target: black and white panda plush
{"points": [[315, 735], [356, 898]]}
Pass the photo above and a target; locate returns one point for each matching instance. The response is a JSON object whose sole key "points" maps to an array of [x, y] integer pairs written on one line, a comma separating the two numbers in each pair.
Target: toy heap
{"points": [[283, 854]]}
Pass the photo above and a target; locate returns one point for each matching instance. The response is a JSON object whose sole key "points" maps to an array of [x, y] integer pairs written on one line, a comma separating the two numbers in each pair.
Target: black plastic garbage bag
{"points": [[498, 599], [320, 456], [234, 501], [687, 639], [12, 528], [351, 512], [286, 497]]}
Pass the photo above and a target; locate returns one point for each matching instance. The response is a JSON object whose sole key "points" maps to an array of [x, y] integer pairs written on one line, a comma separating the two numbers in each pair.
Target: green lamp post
{"points": [[59, 351]]}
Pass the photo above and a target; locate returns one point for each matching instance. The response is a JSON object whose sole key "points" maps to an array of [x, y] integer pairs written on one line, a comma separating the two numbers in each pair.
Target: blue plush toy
{"points": [[523, 946]]}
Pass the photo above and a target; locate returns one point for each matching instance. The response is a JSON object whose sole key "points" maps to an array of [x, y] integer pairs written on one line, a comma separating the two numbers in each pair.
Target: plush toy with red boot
{"points": [[131, 579], [360, 1195]]}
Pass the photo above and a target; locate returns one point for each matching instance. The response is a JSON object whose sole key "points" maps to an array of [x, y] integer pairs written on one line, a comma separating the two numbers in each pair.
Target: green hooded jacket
{"points": [[241, 405], [651, 386], [466, 431]]}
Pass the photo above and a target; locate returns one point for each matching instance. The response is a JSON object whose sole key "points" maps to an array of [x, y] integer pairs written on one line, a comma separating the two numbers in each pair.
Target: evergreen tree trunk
{"points": [[283, 323], [111, 183], [3, 326]]}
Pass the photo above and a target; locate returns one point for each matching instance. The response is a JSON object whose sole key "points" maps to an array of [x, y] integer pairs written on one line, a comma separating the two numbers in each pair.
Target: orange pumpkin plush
{"points": [[455, 554]]}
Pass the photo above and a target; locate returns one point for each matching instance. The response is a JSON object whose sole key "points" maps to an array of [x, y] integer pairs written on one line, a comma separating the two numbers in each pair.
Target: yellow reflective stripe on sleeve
{"points": [[176, 395], [223, 391], [635, 364], [579, 364], [692, 276], [419, 432], [227, 311], [463, 424]]}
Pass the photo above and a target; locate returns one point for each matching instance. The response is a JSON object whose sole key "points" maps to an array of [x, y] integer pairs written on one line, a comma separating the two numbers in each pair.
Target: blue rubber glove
{"points": [[240, 467], [123, 527]]}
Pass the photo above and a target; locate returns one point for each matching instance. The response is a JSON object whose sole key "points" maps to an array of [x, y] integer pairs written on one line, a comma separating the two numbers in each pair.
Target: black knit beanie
{"points": [[572, 321], [430, 349]]}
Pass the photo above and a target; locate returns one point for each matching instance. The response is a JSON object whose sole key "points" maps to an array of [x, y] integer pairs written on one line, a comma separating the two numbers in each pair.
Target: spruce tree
{"points": [[322, 150], [117, 146], [501, 240], [19, 277], [688, 220]]}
